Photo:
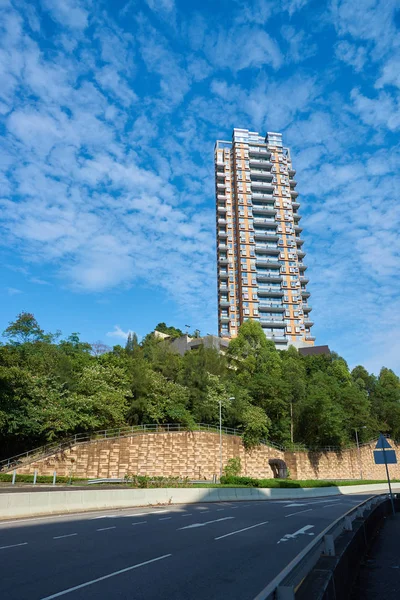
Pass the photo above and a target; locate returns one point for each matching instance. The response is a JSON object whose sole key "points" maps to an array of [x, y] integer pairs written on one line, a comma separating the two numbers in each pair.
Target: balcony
{"points": [[296, 205], [269, 277], [261, 174], [260, 221], [223, 247], [260, 162], [305, 294], [292, 183], [263, 185], [293, 193], [308, 323], [223, 260], [264, 210], [298, 229], [223, 275], [299, 241], [301, 253], [224, 303], [221, 209], [296, 217], [262, 261], [307, 308], [221, 185], [304, 280], [269, 250], [258, 151], [264, 291], [221, 197], [269, 307], [223, 287], [265, 236], [263, 197], [277, 322], [292, 172], [224, 318], [220, 174], [221, 221], [302, 266], [222, 233], [310, 338]]}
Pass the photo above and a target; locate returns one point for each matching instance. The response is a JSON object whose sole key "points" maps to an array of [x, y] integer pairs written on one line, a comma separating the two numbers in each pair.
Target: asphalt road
{"points": [[198, 551]]}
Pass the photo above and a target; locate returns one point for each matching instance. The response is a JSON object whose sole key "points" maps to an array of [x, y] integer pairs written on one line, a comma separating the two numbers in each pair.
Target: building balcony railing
{"points": [[223, 260], [308, 323], [269, 250], [310, 338], [224, 318], [223, 287], [271, 277], [258, 151], [262, 197], [270, 292], [260, 221], [224, 302], [307, 308], [298, 229], [263, 185], [299, 241], [221, 196], [301, 253], [305, 294], [304, 279], [265, 236], [221, 221], [223, 274], [222, 233], [302, 266], [293, 193], [292, 183], [262, 261], [221, 174], [292, 172], [279, 323], [221, 185], [296, 205], [296, 217], [221, 209], [263, 210], [271, 307], [261, 174], [260, 162]]}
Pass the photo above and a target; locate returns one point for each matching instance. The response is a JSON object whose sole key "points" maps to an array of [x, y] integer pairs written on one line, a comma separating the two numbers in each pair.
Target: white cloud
{"points": [[353, 55], [119, 333], [382, 111], [11, 291], [70, 13]]}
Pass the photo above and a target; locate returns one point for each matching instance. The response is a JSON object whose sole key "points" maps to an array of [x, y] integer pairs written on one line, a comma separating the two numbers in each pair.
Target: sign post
{"points": [[382, 456]]}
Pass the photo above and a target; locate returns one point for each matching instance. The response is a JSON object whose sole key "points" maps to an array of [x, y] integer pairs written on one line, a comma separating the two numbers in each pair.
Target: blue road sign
{"points": [[390, 455], [382, 443]]}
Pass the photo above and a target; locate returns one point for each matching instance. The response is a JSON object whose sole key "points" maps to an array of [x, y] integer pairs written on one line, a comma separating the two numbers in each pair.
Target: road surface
{"points": [[197, 552]]}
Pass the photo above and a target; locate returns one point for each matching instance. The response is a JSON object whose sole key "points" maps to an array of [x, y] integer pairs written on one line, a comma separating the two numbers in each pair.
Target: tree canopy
{"points": [[52, 387]]}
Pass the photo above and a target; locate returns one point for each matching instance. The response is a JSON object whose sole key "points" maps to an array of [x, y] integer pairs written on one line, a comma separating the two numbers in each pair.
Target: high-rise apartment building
{"points": [[261, 273]]}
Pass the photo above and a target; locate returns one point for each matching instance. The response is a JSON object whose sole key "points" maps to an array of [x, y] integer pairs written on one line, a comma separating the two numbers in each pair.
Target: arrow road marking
{"points": [[204, 524], [302, 531]]}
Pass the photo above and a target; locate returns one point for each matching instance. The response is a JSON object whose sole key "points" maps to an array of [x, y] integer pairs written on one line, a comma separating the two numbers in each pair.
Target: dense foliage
{"points": [[51, 388]]}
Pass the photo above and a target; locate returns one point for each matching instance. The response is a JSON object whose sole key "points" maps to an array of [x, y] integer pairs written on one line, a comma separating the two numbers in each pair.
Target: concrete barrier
{"points": [[14, 505]]}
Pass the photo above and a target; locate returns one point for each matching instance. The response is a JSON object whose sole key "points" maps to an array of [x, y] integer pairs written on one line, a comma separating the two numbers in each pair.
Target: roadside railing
{"points": [[289, 579]]}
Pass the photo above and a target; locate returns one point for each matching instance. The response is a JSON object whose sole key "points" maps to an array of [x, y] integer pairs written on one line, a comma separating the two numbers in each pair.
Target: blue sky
{"points": [[109, 112]]}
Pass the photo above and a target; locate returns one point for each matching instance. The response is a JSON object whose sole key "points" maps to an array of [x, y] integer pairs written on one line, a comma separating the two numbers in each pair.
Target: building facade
{"points": [[261, 272]]}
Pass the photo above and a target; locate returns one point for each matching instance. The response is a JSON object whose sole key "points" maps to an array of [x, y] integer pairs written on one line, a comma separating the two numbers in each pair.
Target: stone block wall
{"points": [[196, 455], [185, 454]]}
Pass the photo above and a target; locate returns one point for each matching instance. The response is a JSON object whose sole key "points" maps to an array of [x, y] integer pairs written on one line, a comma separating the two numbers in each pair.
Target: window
{"points": [[246, 311]]}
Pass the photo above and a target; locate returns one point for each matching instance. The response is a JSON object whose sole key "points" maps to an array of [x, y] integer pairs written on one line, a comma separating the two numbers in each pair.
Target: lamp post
{"points": [[358, 451], [220, 435]]}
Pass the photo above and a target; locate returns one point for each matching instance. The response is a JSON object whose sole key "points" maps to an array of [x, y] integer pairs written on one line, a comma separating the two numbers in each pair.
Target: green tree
{"points": [[24, 329]]}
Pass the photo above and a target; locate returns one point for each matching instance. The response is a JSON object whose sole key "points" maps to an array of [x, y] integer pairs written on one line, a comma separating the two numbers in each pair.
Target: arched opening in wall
{"points": [[279, 468]]}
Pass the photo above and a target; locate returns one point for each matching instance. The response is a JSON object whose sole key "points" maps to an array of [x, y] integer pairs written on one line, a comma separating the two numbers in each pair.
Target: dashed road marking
{"points": [[59, 537], [106, 528], [240, 530], [13, 546], [298, 512]]}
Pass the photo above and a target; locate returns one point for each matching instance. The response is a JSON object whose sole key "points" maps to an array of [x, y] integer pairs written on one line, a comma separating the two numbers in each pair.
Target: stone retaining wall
{"points": [[196, 455]]}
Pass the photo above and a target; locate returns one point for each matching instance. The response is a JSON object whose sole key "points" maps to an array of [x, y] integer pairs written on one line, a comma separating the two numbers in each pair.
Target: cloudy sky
{"points": [[109, 112]]}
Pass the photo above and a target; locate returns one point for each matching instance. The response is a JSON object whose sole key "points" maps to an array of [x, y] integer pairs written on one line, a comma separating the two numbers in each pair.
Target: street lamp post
{"points": [[358, 451], [220, 436]]}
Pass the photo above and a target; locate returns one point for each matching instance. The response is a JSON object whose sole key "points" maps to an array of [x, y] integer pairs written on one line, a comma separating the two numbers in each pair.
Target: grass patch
{"points": [[290, 483]]}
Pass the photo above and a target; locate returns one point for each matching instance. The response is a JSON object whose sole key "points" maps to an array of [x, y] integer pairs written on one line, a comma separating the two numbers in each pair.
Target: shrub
{"points": [[233, 467]]}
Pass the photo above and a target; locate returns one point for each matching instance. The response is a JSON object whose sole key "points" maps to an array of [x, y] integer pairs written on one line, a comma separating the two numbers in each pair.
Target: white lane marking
{"points": [[13, 545], [298, 512], [139, 523], [106, 528], [204, 524], [203, 511], [295, 504], [220, 509], [328, 505], [82, 585], [302, 531], [59, 537], [136, 515], [165, 519], [188, 515], [240, 530]]}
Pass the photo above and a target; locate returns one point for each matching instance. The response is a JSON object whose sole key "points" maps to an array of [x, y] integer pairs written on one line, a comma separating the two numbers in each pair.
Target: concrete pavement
{"points": [[197, 551]]}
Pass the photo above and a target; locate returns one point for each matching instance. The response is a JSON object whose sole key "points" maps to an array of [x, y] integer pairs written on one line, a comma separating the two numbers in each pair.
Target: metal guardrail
{"points": [[285, 584]]}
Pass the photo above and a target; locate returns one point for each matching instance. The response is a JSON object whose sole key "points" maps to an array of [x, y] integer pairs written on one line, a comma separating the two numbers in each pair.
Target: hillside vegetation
{"points": [[51, 388]]}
